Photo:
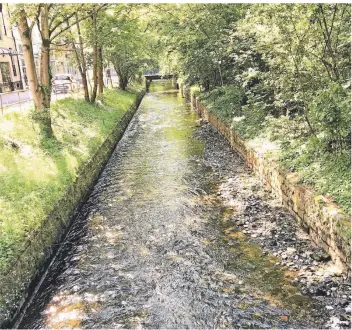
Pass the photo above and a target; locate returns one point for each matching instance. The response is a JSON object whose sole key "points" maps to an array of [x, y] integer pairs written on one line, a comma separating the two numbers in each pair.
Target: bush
{"points": [[330, 110], [325, 169], [226, 102]]}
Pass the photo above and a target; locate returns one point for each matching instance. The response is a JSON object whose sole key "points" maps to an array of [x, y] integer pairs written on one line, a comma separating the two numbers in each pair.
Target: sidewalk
{"points": [[10, 101], [14, 97]]}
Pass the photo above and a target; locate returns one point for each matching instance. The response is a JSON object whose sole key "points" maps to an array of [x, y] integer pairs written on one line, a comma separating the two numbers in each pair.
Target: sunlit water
{"points": [[146, 249]]}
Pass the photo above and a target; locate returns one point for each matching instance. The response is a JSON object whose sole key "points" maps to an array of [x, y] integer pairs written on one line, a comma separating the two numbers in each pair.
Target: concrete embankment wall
{"points": [[326, 224], [22, 275]]}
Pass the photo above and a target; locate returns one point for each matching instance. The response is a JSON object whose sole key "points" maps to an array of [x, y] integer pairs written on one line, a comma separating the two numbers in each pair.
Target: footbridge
{"points": [[156, 75]]}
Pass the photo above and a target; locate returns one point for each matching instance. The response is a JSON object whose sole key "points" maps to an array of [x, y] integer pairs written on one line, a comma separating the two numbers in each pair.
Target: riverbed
{"points": [[158, 243]]}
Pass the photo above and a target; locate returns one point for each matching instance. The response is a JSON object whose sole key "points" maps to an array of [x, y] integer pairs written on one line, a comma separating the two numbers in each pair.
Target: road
{"points": [[10, 100], [14, 97]]}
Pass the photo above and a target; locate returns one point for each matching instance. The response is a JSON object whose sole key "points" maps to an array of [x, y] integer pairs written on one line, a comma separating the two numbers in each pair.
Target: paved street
{"points": [[10, 100]]}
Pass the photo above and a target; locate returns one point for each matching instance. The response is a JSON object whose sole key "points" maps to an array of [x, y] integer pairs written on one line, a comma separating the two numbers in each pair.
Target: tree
{"points": [[79, 52], [307, 52], [195, 33], [52, 20], [129, 47], [97, 32]]}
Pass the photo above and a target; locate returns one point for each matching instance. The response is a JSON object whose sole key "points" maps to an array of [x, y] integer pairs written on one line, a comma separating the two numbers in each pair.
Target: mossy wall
{"points": [[17, 283], [326, 224]]}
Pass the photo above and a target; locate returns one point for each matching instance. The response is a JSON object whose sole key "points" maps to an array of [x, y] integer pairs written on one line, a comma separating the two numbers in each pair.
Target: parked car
{"points": [[63, 83]]}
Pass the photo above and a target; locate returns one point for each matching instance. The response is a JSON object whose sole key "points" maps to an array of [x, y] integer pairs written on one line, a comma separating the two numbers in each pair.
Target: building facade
{"points": [[61, 63], [36, 44], [13, 75], [11, 71]]}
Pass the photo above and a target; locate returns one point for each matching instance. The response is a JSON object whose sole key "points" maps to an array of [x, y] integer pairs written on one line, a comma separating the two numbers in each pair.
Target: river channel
{"points": [[154, 247]]}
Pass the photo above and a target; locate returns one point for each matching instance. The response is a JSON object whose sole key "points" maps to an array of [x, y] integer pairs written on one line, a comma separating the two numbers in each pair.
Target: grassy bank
{"points": [[35, 175], [287, 139]]}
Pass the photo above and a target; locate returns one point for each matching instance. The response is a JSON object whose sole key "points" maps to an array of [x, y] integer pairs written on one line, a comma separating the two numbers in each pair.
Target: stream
{"points": [[155, 246]]}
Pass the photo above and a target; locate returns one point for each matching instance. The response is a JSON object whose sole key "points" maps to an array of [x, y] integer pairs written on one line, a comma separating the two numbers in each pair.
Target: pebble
{"points": [[290, 250], [278, 235]]}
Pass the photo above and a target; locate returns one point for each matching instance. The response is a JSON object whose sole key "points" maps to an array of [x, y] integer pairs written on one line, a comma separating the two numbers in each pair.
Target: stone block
{"points": [[327, 227]]}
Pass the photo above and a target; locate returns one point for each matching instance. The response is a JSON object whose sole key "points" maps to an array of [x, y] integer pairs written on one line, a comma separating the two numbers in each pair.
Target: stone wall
{"points": [[23, 274], [326, 224]]}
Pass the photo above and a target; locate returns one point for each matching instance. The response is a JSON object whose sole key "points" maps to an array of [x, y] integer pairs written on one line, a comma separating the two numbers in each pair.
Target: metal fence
{"points": [[22, 99]]}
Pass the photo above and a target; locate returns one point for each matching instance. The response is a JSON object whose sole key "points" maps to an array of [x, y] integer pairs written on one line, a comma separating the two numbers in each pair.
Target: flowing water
{"points": [[147, 250]]}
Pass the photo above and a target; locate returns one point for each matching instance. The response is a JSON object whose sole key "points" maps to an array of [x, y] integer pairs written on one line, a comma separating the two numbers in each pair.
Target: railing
{"points": [[16, 103], [152, 72], [66, 87], [5, 104]]}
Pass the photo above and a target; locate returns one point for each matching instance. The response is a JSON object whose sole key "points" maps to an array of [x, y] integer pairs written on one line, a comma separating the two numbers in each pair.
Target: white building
{"points": [[11, 74]]}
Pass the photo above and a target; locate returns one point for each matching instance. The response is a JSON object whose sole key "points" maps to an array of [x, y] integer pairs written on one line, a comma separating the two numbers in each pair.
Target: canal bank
{"points": [[325, 222], [281, 232], [20, 276], [156, 244]]}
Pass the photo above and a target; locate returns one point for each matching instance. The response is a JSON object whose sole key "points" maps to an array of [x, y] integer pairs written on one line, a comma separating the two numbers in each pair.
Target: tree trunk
{"points": [[81, 72], [45, 80], [81, 61], [95, 60], [112, 86], [95, 73], [25, 33], [123, 79], [43, 114], [123, 85], [85, 86], [100, 71]]}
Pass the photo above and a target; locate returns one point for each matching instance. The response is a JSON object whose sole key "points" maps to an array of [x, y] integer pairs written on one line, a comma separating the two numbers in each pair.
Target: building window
{"points": [[6, 77], [14, 69], [3, 20], [1, 14]]}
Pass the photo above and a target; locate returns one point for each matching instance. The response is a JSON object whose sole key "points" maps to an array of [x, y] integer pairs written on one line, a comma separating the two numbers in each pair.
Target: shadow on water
{"points": [[257, 270], [153, 246]]}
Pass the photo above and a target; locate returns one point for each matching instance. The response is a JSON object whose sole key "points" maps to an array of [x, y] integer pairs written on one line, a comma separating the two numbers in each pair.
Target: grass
{"points": [[288, 141], [195, 90], [36, 175]]}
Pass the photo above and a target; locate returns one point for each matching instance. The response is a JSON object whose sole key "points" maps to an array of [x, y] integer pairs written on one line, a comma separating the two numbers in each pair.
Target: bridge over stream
{"points": [[156, 75]]}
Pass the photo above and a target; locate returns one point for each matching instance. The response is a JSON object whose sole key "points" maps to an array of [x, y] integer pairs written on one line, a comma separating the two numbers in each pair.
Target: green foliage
{"points": [[327, 173], [194, 34], [285, 80], [330, 109], [128, 45], [195, 90], [225, 102], [34, 177]]}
